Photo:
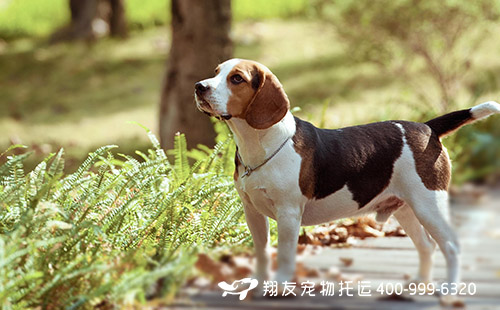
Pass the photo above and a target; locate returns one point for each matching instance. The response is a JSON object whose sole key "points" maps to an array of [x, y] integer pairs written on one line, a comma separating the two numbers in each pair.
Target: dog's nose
{"points": [[200, 88]]}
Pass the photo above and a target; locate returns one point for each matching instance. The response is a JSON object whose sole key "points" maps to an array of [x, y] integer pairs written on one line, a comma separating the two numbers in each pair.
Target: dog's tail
{"points": [[448, 123]]}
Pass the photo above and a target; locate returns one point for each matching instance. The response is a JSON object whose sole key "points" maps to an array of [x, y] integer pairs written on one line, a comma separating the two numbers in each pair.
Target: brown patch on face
{"points": [[432, 163], [259, 99], [243, 93], [361, 157]]}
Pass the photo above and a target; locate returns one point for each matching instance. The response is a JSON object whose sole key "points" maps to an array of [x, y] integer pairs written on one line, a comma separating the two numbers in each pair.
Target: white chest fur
{"points": [[274, 184]]}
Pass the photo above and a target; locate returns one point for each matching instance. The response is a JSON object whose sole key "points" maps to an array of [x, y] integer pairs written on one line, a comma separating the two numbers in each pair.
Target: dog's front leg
{"points": [[259, 228], [288, 218]]}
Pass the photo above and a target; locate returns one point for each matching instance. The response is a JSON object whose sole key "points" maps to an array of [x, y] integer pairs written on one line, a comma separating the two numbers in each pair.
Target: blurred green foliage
{"points": [[31, 17], [264, 9], [475, 152], [442, 35], [118, 230], [35, 18]]}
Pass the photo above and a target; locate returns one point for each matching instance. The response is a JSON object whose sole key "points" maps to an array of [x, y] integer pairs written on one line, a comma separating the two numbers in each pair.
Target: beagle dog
{"points": [[297, 174]]}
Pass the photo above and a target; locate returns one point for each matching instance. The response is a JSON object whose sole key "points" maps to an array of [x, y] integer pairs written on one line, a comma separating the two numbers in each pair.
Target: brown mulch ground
{"points": [[228, 267]]}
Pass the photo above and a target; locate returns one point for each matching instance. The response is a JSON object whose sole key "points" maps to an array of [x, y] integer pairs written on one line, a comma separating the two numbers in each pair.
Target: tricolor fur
{"points": [[392, 167]]}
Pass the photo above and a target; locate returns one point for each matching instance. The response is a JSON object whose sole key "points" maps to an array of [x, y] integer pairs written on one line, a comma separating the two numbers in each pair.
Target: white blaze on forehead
{"points": [[219, 91], [228, 65]]}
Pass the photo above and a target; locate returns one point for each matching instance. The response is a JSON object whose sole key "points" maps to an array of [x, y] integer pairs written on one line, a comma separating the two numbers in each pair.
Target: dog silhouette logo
{"points": [[239, 287]]}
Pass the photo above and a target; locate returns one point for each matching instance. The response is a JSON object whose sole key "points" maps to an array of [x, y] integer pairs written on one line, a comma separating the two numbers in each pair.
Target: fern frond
{"points": [[70, 181], [12, 161], [57, 165], [181, 166]]}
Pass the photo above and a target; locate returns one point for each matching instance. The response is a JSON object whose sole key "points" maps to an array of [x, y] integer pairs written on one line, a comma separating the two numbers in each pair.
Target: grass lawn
{"points": [[35, 18], [80, 97]]}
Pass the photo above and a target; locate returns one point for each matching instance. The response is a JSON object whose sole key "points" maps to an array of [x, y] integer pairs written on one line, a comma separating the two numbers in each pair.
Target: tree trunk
{"points": [[117, 20], [80, 27], [200, 41], [83, 15]]}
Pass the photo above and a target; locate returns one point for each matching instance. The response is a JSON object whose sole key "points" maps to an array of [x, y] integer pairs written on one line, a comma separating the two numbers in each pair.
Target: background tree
{"points": [[442, 35], [200, 40], [117, 19], [92, 18]]}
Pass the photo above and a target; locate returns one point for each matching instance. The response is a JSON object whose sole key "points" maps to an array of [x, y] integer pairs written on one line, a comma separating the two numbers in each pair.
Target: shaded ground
{"points": [[392, 260]]}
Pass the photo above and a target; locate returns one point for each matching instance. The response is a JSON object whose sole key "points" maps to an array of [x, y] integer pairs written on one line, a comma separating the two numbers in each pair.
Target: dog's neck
{"points": [[256, 145]]}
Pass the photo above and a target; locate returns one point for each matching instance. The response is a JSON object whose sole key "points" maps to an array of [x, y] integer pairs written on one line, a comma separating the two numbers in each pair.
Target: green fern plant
{"points": [[114, 229]]}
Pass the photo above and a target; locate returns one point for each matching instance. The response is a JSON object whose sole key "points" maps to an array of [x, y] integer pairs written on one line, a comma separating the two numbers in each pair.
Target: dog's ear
{"points": [[269, 104]]}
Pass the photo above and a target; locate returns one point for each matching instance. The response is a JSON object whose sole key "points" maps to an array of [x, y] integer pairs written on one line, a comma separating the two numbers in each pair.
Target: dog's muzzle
{"points": [[205, 107]]}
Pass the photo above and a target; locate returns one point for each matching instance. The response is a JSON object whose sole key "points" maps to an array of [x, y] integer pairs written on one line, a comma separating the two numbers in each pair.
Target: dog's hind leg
{"points": [[424, 244], [428, 207]]}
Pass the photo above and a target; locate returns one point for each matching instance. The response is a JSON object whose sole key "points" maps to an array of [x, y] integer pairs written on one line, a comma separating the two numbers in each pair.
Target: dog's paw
{"points": [[453, 301], [447, 299]]}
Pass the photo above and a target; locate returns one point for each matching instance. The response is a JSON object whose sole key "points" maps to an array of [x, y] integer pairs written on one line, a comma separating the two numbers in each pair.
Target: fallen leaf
{"points": [[300, 270], [241, 272], [347, 261], [312, 273], [219, 271]]}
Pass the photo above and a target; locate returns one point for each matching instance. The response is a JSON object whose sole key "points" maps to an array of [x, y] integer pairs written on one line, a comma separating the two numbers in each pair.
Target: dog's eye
{"points": [[236, 79]]}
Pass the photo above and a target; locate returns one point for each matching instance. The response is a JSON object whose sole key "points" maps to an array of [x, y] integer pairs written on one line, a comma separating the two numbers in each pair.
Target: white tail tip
{"points": [[485, 109]]}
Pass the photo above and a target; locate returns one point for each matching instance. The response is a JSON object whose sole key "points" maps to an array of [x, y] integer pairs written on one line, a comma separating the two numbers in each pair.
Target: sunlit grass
{"points": [[261, 9], [39, 18], [17, 17]]}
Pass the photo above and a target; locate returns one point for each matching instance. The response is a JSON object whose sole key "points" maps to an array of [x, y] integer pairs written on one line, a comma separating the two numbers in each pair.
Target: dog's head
{"points": [[243, 89]]}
